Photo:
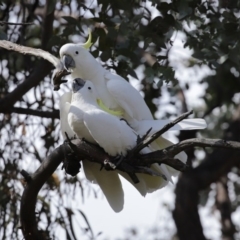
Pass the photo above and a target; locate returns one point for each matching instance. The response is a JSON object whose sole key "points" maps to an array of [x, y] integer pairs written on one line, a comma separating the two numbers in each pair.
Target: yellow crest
{"points": [[88, 43], [106, 109]]}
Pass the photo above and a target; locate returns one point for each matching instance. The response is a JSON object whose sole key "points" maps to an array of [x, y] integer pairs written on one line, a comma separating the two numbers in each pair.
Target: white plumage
{"points": [[86, 120], [118, 95]]}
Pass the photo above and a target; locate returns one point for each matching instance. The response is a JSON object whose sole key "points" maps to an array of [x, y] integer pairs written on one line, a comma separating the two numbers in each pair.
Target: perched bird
{"points": [[87, 120], [116, 94], [83, 114], [119, 98]]}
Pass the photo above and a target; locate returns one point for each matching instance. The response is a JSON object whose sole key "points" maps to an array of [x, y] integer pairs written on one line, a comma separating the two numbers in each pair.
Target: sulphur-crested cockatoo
{"points": [[87, 120], [116, 93]]}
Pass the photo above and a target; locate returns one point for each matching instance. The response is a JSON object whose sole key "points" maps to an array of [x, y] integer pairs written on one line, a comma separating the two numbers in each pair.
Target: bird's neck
{"points": [[81, 102]]}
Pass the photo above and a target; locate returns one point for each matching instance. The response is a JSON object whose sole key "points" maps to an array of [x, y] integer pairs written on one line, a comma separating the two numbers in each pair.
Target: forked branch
{"points": [[90, 152]]}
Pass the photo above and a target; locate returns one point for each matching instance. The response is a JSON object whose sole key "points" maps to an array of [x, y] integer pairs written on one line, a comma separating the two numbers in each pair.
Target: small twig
{"points": [[57, 78], [11, 23], [146, 141], [54, 114], [141, 139], [57, 75], [108, 165], [134, 177]]}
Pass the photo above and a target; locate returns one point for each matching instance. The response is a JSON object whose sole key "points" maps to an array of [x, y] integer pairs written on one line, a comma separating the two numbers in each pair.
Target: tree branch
{"points": [[147, 140], [187, 193], [33, 112], [91, 152], [30, 51], [12, 23], [46, 34], [223, 204], [216, 165], [29, 197], [40, 71]]}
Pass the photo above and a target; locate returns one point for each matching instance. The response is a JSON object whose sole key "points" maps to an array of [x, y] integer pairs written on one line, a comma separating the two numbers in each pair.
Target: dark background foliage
{"points": [[127, 35]]}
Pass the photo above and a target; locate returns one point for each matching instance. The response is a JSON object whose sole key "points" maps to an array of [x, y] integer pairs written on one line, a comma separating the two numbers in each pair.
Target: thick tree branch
{"points": [[29, 197], [190, 183], [218, 164], [91, 152], [223, 204], [171, 151]]}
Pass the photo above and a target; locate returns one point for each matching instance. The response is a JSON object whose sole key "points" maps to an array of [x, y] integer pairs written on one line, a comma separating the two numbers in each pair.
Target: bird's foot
{"points": [[113, 162]]}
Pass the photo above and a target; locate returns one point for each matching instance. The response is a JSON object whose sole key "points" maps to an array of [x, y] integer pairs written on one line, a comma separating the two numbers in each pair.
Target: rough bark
{"points": [[216, 165]]}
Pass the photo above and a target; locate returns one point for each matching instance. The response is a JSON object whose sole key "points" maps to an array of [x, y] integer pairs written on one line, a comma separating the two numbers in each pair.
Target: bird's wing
{"points": [[155, 125], [64, 105], [110, 184], [134, 105], [107, 132], [127, 97], [113, 135], [147, 183]]}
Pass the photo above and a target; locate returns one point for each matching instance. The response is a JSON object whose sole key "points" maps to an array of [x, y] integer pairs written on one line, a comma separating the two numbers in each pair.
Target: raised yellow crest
{"points": [[88, 43]]}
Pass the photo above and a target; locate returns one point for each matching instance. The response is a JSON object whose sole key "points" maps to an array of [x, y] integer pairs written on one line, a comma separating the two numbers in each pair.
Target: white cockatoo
{"points": [[116, 93], [117, 97], [87, 120]]}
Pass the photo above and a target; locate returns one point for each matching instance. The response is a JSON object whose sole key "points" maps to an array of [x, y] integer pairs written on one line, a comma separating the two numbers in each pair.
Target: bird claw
{"points": [[108, 163], [114, 161]]}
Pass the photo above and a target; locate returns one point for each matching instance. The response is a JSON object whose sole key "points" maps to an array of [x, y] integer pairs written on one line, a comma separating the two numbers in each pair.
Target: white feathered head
{"points": [[77, 59]]}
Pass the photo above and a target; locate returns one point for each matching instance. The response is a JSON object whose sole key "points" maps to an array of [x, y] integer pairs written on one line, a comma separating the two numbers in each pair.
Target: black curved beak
{"points": [[77, 84], [68, 62]]}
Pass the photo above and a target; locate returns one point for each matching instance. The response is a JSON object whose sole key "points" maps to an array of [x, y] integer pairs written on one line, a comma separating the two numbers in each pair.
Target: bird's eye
{"points": [[89, 88], [76, 52]]}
